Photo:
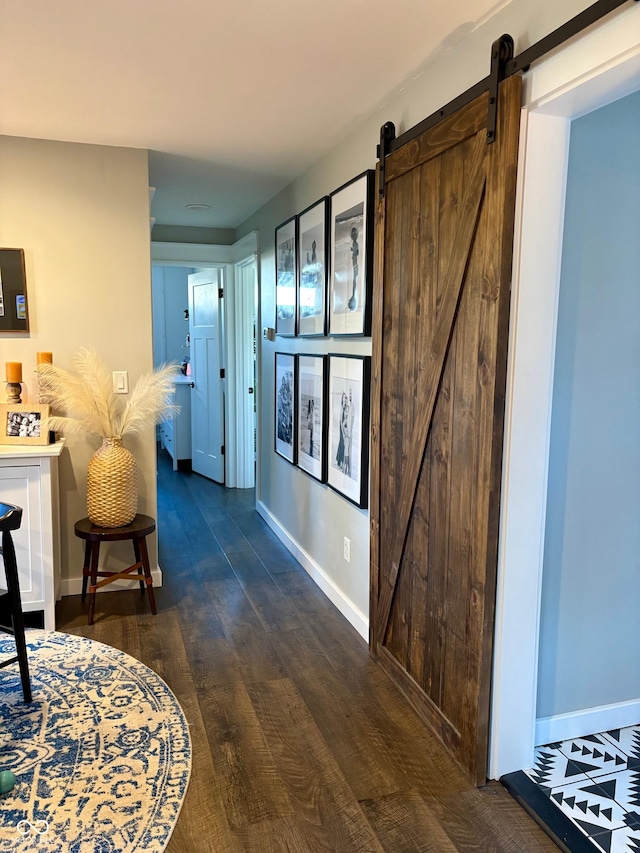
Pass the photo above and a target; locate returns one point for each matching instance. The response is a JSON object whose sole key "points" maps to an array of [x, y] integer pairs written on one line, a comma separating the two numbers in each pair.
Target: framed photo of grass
{"points": [[348, 427], [312, 269], [286, 266], [351, 257], [285, 398], [311, 375], [24, 423]]}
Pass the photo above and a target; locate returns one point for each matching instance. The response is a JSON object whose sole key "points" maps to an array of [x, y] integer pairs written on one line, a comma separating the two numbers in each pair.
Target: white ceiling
{"points": [[232, 99]]}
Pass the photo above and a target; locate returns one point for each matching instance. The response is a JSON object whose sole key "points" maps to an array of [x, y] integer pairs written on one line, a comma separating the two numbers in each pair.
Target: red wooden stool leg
{"points": [[95, 553], [86, 570], [144, 556], [136, 551]]}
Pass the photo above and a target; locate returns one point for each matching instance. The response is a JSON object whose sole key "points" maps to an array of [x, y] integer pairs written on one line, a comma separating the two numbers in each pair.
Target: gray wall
{"points": [[314, 516], [590, 631], [81, 214]]}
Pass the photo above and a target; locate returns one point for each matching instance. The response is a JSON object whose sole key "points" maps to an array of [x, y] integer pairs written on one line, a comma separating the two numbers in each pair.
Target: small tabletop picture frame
{"points": [[313, 242], [348, 427], [311, 379], [351, 229], [286, 269], [24, 423], [285, 400]]}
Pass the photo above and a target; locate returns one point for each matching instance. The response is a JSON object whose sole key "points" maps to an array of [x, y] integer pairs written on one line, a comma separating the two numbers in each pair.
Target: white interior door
{"points": [[207, 398]]}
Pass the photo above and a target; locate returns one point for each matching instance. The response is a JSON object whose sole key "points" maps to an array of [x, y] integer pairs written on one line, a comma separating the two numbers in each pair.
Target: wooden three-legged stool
{"points": [[140, 527]]}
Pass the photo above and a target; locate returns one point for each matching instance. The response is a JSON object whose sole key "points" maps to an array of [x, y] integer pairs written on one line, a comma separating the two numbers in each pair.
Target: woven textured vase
{"points": [[112, 485]]}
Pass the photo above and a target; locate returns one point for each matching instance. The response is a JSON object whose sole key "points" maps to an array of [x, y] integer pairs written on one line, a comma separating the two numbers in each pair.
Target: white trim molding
{"points": [[239, 307], [592, 70], [589, 721], [348, 609], [190, 254]]}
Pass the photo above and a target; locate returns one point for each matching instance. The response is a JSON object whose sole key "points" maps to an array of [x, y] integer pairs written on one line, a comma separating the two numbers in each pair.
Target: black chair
{"points": [[11, 519]]}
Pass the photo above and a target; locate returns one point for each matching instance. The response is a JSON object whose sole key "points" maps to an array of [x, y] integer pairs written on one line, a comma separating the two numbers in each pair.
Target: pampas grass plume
{"points": [[88, 402]]}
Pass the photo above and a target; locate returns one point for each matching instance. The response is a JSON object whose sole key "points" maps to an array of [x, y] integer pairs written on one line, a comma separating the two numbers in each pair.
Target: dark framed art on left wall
{"points": [[284, 406], [286, 276]]}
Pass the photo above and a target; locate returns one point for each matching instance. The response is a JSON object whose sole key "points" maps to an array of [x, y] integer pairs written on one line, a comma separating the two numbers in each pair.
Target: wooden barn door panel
{"points": [[443, 261]]}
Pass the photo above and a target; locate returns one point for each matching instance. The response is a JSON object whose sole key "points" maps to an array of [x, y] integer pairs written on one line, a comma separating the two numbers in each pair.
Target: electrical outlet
{"points": [[347, 549]]}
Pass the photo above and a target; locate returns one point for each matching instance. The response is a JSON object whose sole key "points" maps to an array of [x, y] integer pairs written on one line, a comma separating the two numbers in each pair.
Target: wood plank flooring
{"points": [[300, 741]]}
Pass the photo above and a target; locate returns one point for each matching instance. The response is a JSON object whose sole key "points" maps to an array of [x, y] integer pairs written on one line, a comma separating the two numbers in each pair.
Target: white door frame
{"points": [[210, 255], [241, 313], [592, 70]]}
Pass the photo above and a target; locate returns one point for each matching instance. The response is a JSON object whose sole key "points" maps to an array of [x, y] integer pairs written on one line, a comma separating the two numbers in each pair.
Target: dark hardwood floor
{"points": [[300, 741]]}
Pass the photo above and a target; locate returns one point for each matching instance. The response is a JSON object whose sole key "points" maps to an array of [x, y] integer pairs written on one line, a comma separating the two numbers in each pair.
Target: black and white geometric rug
{"points": [[586, 792], [102, 755]]}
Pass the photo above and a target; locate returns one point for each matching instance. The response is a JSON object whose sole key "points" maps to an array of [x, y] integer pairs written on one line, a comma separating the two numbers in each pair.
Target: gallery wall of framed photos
{"points": [[324, 271]]}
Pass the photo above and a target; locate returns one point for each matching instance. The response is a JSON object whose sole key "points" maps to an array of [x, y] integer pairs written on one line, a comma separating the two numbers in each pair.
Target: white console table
{"points": [[29, 479]]}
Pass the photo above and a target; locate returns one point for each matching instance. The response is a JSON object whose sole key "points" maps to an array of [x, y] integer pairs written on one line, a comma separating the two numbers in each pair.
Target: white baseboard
{"points": [[73, 586], [587, 722], [350, 612]]}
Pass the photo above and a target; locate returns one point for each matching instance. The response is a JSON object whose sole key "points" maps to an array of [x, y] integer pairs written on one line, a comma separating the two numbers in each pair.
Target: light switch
{"points": [[120, 381]]}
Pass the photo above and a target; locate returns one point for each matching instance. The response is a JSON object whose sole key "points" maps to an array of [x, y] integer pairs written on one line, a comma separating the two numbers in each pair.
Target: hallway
{"points": [[300, 741]]}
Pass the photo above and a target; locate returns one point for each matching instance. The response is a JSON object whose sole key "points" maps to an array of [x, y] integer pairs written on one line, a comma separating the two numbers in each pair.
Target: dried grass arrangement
{"points": [[89, 404]]}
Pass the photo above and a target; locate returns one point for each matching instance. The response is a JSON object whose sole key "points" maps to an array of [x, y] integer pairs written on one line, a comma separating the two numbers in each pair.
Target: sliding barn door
{"points": [[444, 232]]}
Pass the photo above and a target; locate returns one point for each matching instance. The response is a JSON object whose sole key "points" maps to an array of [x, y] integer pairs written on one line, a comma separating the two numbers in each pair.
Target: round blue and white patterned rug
{"points": [[102, 755]]}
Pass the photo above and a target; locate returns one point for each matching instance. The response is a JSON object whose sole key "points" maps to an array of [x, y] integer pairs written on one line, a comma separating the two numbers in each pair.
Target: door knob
{"points": [[192, 385], [251, 390]]}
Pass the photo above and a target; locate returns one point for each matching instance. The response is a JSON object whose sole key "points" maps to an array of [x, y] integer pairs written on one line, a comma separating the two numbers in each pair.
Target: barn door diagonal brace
{"points": [[501, 53]]}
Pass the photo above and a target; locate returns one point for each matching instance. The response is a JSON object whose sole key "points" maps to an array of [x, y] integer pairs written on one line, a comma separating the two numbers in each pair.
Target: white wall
{"points": [[170, 299], [313, 516], [81, 214], [589, 631]]}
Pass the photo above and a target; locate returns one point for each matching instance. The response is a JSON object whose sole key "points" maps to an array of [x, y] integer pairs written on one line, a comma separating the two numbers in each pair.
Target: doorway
{"points": [[595, 70], [239, 307], [206, 338]]}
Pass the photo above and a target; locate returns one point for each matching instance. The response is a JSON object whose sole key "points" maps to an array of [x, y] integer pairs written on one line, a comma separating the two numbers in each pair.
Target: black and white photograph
{"points": [[311, 376], [286, 277], [351, 257], [284, 406], [312, 269], [348, 416], [24, 423]]}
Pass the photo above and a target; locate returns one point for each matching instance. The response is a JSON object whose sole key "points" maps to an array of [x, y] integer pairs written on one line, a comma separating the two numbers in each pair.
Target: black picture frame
{"points": [[348, 413], [351, 236], [14, 311], [313, 267], [311, 396], [284, 406], [286, 248]]}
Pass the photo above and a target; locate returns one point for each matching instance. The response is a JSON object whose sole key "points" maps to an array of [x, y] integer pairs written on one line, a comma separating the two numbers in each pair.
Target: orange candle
{"points": [[44, 358], [14, 371]]}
